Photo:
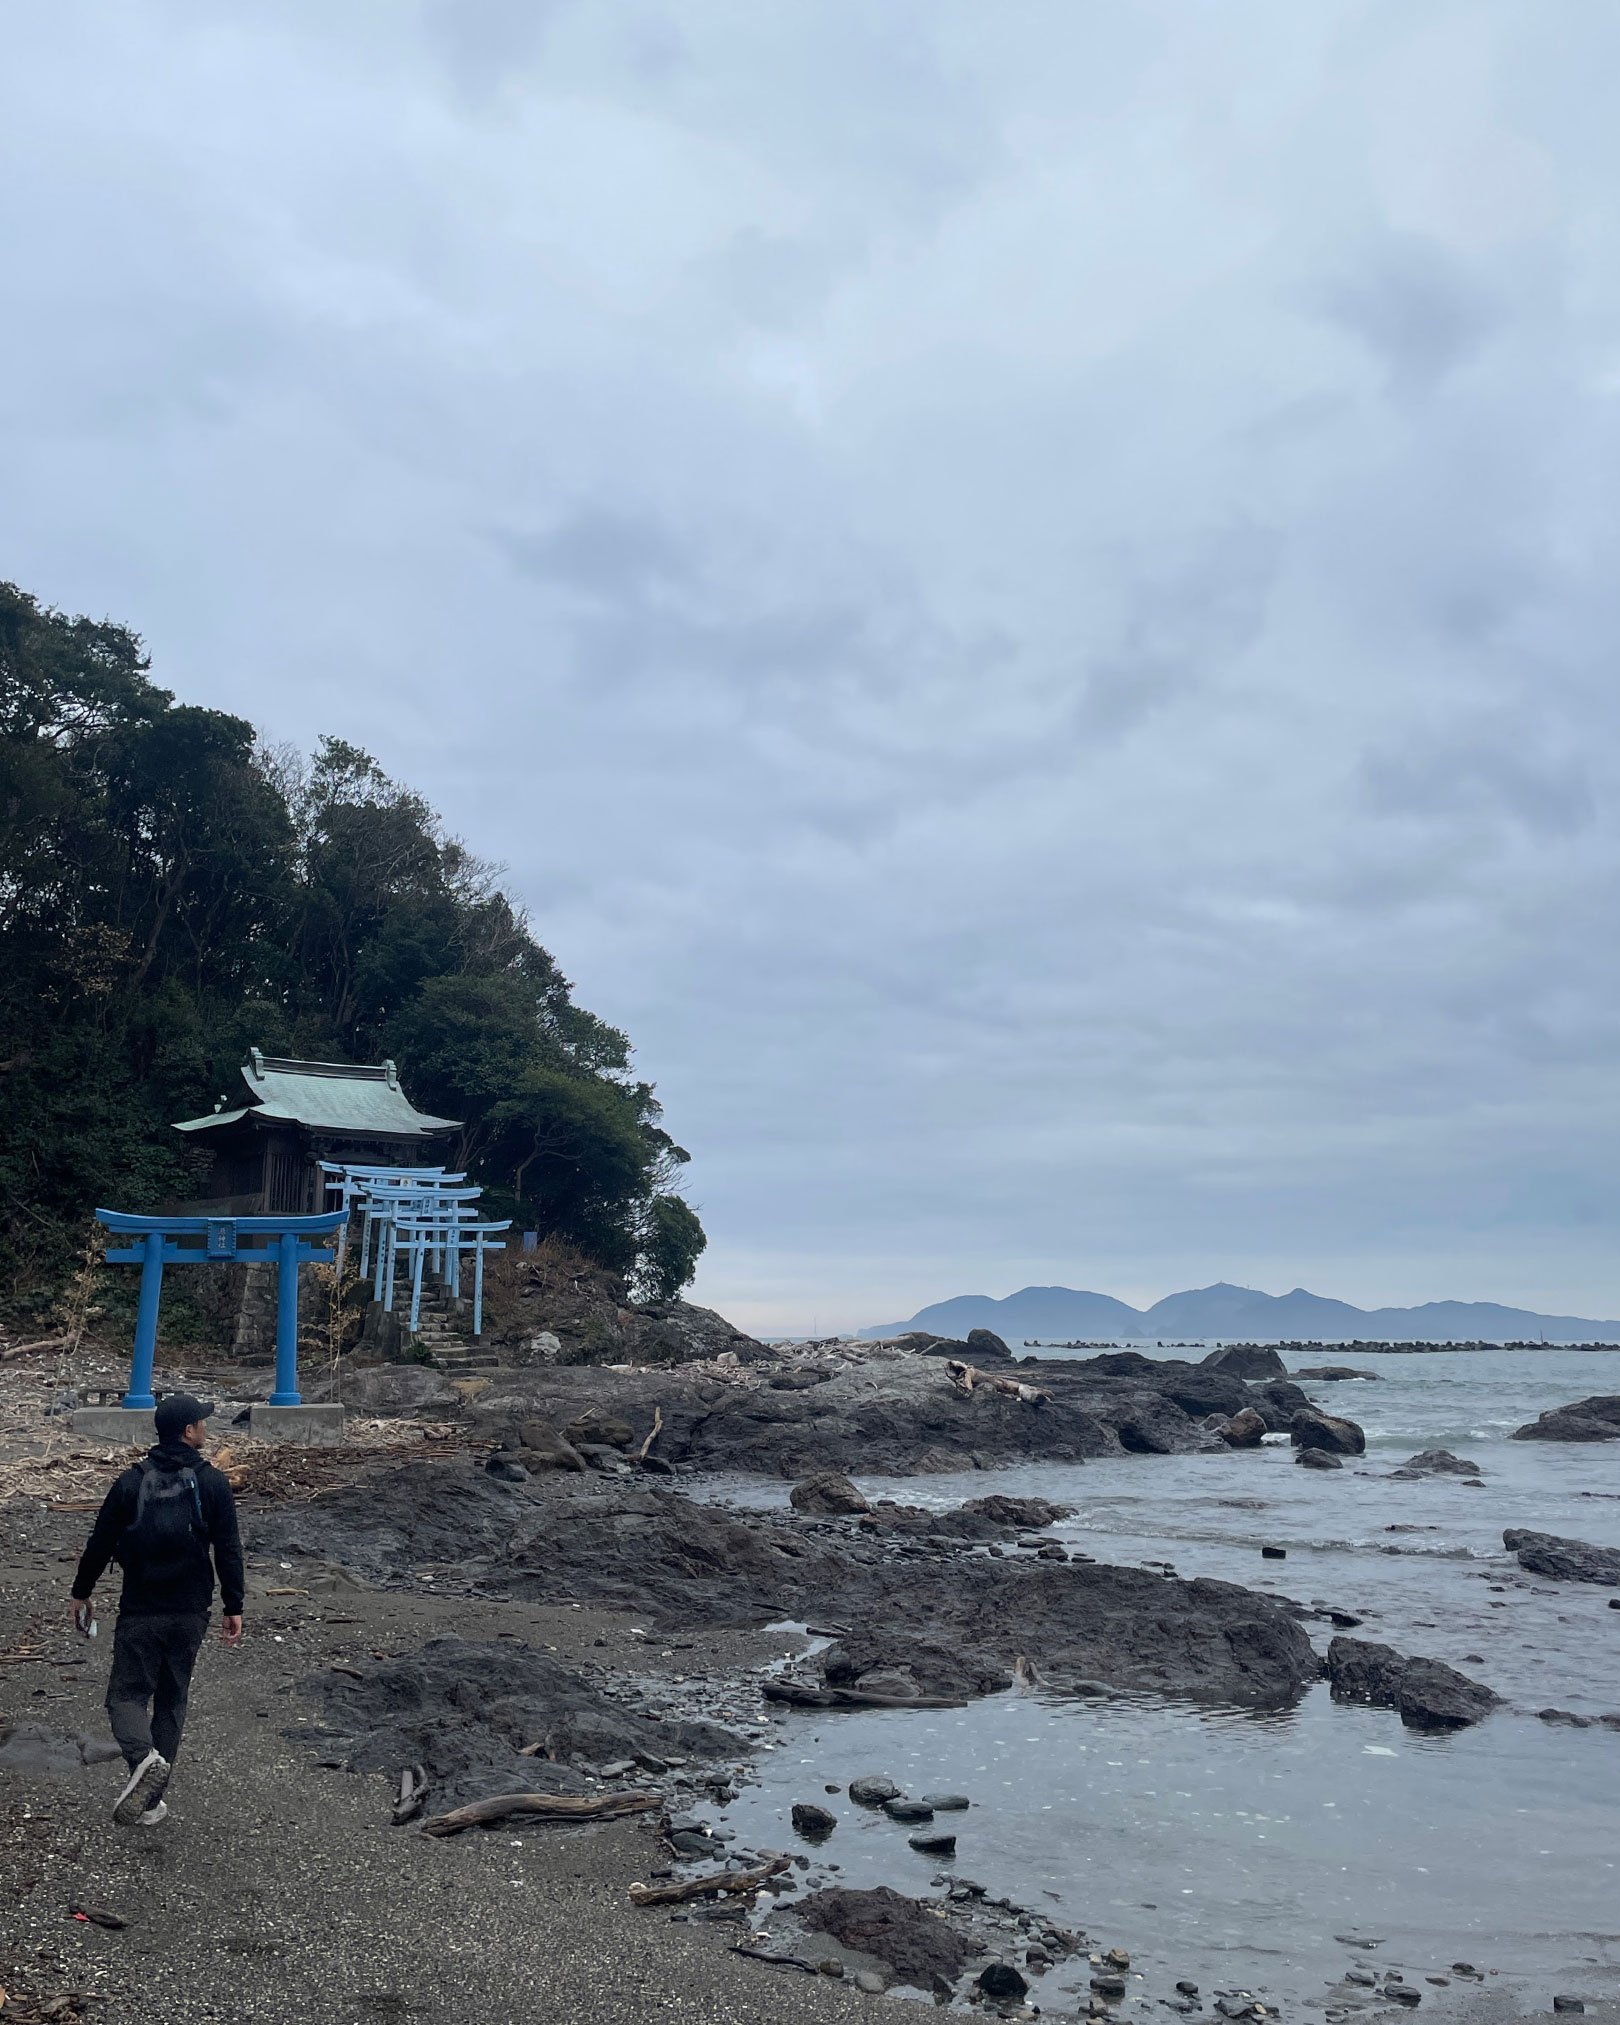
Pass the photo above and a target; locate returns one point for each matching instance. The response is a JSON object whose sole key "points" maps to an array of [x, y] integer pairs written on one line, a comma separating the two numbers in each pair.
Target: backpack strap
{"points": [[189, 1479]]}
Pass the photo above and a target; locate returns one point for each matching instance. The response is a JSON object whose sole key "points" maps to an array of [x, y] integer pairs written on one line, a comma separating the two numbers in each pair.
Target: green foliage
{"points": [[673, 1243], [171, 894]]}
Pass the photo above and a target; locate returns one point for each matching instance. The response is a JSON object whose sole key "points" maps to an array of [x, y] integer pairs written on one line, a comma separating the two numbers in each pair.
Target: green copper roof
{"points": [[328, 1096]]}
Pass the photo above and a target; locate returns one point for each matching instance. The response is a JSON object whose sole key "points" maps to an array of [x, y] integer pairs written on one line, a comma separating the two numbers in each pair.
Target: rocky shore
{"points": [[511, 1601]]}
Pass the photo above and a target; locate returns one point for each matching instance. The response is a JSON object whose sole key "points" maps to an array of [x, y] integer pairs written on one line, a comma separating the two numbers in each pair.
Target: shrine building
{"points": [[267, 1153]]}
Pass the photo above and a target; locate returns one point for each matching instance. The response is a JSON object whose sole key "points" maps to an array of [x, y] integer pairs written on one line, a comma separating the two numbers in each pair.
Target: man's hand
{"points": [[230, 1629], [75, 1605]]}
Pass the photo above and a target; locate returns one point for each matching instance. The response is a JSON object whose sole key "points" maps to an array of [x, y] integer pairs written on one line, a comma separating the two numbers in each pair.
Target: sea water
{"points": [[1256, 1850]]}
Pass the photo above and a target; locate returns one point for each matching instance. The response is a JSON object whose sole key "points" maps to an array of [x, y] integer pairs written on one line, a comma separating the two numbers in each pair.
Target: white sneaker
{"points": [[147, 1780], [158, 1811]]}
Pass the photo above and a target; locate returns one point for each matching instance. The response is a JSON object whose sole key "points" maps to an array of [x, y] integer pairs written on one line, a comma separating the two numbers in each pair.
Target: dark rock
{"points": [[462, 1710], [1403, 1993], [1002, 1983], [1564, 1560], [1325, 1431], [814, 1823], [1428, 1693], [1565, 1719], [1021, 1514], [827, 1496], [911, 1667], [1594, 1419], [1568, 2004], [1438, 1462], [1279, 1401], [872, 1790], [904, 1932], [1318, 1459], [1332, 1374], [605, 1430], [1187, 1989], [934, 1842], [984, 1344], [802, 1379], [1107, 1983], [1247, 1360], [692, 1842], [946, 1803], [601, 1455], [1245, 1429], [908, 1810], [545, 1448], [505, 1468], [1274, 1553], [389, 1390]]}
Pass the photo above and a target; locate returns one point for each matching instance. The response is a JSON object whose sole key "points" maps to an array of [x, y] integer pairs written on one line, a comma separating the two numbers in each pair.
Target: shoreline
{"points": [[696, 1668]]}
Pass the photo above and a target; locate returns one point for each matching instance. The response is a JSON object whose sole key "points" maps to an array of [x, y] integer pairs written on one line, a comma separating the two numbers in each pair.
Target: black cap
{"points": [[176, 1411]]}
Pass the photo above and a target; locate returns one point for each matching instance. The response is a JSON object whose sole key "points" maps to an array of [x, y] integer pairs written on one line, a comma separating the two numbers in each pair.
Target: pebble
{"points": [[870, 1981], [946, 1803]]}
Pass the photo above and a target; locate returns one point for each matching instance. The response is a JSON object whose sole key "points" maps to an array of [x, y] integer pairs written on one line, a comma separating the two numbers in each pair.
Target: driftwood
{"points": [[543, 1807], [802, 1697], [1027, 1674], [775, 1961], [28, 1349], [657, 1429], [729, 1884], [413, 1785], [966, 1377]]}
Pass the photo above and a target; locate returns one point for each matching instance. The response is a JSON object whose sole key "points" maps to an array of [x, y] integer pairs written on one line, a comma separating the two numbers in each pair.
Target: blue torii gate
{"points": [[157, 1244]]}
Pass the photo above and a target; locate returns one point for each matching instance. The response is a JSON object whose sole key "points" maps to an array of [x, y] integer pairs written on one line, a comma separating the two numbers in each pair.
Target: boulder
{"points": [[1279, 1400], [506, 1466], [1318, 1459], [1594, 1419], [1564, 1560], [1002, 1983], [1244, 1430], [396, 1390], [545, 1449], [1028, 1515], [906, 1933], [1247, 1360], [985, 1344], [1429, 1694], [872, 1789], [1333, 1374], [1325, 1431], [603, 1430], [814, 1823], [1437, 1462], [827, 1496]]}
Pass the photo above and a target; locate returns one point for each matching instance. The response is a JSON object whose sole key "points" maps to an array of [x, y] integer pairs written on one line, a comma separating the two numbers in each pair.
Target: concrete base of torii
{"points": [[127, 1426], [302, 1426]]}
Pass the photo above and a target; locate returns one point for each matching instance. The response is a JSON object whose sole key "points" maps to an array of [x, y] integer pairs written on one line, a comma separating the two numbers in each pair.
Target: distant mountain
{"points": [[1061, 1313]]}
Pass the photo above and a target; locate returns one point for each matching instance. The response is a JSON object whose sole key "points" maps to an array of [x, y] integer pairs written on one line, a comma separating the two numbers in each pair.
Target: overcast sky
{"points": [[1029, 591]]}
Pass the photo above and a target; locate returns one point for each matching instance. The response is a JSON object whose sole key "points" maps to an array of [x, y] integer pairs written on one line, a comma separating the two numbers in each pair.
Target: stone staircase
{"points": [[442, 1323]]}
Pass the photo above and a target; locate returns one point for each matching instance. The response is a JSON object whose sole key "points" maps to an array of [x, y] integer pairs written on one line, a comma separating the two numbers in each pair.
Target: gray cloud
{"points": [[1029, 605]]}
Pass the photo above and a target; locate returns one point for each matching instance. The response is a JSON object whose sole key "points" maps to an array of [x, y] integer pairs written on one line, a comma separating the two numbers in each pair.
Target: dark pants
{"points": [[151, 1662]]}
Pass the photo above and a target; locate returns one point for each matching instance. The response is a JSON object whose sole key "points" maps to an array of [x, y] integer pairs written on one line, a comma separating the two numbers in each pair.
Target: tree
{"points": [[172, 893]]}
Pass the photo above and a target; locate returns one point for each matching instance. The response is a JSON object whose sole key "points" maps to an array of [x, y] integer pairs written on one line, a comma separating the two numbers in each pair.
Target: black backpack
{"points": [[168, 1529]]}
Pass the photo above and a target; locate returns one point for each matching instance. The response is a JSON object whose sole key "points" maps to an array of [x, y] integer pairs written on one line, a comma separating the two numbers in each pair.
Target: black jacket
{"points": [[192, 1590]]}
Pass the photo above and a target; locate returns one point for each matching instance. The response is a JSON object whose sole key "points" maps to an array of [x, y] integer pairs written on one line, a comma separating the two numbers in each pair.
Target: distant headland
{"points": [[1061, 1313]]}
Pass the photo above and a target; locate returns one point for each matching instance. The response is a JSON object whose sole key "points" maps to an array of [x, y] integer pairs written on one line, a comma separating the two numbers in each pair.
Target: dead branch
{"points": [[543, 1807], [728, 1884], [413, 1787], [802, 1697], [657, 1426], [964, 1377]]}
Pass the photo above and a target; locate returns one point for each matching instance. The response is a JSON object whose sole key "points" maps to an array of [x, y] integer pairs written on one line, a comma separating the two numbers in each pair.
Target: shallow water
{"points": [[1232, 1848]]}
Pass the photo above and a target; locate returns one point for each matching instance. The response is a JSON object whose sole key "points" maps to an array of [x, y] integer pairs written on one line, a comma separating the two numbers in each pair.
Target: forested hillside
{"points": [[171, 893]]}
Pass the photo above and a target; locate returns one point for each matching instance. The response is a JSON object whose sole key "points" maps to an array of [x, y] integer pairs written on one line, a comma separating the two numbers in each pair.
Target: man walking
{"points": [[160, 1520]]}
